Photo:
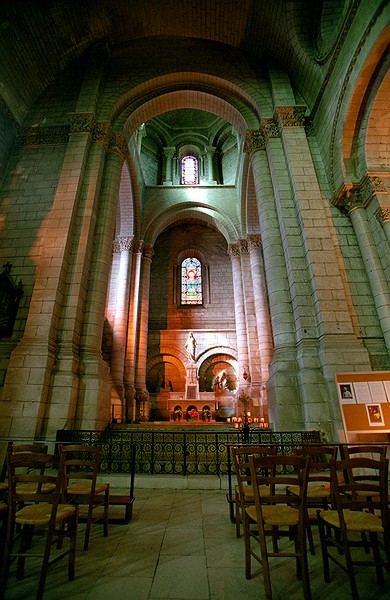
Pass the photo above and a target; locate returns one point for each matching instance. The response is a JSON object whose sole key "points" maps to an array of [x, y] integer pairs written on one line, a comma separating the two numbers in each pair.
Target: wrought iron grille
{"points": [[177, 452]]}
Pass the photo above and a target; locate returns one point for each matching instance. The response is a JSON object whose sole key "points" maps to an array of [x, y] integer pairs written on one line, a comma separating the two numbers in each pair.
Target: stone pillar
{"points": [[283, 403], [140, 375], [132, 333], [95, 391], [169, 153], [355, 199], [262, 312], [25, 398], [210, 151], [123, 245], [239, 308]]}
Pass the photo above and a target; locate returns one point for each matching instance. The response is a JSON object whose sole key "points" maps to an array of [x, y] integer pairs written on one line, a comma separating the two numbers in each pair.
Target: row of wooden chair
{"points": [[45, 491], [280, 496]]}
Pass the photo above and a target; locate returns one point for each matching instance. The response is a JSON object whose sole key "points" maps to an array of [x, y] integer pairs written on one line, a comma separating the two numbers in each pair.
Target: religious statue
{"points": [[190, 346]]}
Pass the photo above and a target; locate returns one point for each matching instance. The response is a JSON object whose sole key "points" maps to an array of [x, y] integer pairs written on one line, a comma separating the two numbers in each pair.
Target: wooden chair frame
{"points": [[359, 516], [243, 489], [274, 516], [81, 467], [27, 476]]}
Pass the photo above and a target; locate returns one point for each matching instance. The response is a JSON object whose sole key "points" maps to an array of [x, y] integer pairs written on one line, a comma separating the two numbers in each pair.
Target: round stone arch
{"points": [[227, 100], [214, 362], [165, 365], [189, 211]]}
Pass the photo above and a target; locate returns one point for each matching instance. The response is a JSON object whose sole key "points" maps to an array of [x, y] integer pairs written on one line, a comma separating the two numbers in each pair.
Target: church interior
{"points": [[194, 235]]}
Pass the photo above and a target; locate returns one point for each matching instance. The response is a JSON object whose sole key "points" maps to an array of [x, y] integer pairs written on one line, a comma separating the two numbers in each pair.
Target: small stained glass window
{"points": [[191, 281], [189, 170]]}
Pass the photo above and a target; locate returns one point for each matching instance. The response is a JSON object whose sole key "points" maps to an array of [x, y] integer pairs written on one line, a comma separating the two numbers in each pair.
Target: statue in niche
{"points": [[190, 346]]}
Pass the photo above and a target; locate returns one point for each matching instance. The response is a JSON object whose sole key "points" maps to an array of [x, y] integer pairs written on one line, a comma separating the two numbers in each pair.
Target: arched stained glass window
{"points": [[191, 281], [189, 170]]}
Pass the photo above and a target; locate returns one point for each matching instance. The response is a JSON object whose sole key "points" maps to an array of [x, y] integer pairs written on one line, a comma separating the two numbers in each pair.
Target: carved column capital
{"points": [[354, 195], [148, 251], [244, 246], [119, 145], [383, 215], [254, 241], [254, 141], [270, 128], [234, 250], [137, 246]]}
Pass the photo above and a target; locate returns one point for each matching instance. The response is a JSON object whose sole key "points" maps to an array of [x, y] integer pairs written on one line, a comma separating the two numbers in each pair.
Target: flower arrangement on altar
{"points": [[193, 414], [177, 414], [206, 414]]}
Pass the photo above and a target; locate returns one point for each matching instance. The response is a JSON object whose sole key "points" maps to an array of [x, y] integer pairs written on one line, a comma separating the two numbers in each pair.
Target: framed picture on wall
{"points": [[346, 393], [375, 416]]}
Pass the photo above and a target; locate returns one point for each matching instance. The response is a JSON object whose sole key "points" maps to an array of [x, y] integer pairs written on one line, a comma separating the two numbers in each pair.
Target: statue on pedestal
{"points": [[190, 346]]}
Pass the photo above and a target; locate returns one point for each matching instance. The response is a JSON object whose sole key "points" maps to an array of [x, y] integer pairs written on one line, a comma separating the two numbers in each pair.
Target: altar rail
{"points": [[174, 452]]}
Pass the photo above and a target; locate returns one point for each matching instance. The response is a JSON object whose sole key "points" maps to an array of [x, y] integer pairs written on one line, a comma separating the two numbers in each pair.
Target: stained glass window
{"points": [[189, 170], [191, 281]]}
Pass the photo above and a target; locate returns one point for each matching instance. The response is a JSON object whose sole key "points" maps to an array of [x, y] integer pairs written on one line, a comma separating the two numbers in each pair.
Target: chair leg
{"points": [[237, 517], [106, 507], [377, 558], [324, 550], [247, 543]]}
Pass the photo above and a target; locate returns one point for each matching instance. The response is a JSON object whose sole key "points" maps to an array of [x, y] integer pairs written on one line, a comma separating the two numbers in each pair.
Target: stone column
{"points": [[123, 245], [140, 375], [239, 308], [262, 312], [95, 391], [355, 199], [169, 153], [132, 333], [210, 151]]}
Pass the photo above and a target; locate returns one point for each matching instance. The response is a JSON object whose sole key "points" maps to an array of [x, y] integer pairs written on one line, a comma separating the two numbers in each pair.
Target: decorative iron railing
{"points": [[178, 452]]}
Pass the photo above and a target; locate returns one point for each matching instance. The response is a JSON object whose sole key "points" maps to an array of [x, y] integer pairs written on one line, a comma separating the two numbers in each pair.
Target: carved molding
{"points": [[383, 215], [244, 246], [42, 136], [290, 116], [81, 122]]}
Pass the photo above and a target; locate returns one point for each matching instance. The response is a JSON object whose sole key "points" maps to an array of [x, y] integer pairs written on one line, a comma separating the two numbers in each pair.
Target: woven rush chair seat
{"points": [[354, 520], [3, 486], [40, 514], [85, 487], [32, 512], [358, 518], [277, 515]]}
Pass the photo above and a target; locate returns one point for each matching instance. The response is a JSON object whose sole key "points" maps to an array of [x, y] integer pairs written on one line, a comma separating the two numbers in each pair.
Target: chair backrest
{"points": [[80, 463], [280, 472], [364, 485], [28, 474], [368, 450], [12, 447], [241, 455], [320, 460]]}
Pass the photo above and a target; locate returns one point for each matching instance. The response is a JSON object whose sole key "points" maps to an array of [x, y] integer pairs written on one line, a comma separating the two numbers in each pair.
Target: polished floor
{"points": [[180, 544]]}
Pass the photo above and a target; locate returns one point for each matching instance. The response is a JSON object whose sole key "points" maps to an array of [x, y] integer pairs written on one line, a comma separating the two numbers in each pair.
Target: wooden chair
{"points": [[274, 516], [125, 500], [360, 509], [319, 483], [28, 474], [81, 467], [244, 494]]}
